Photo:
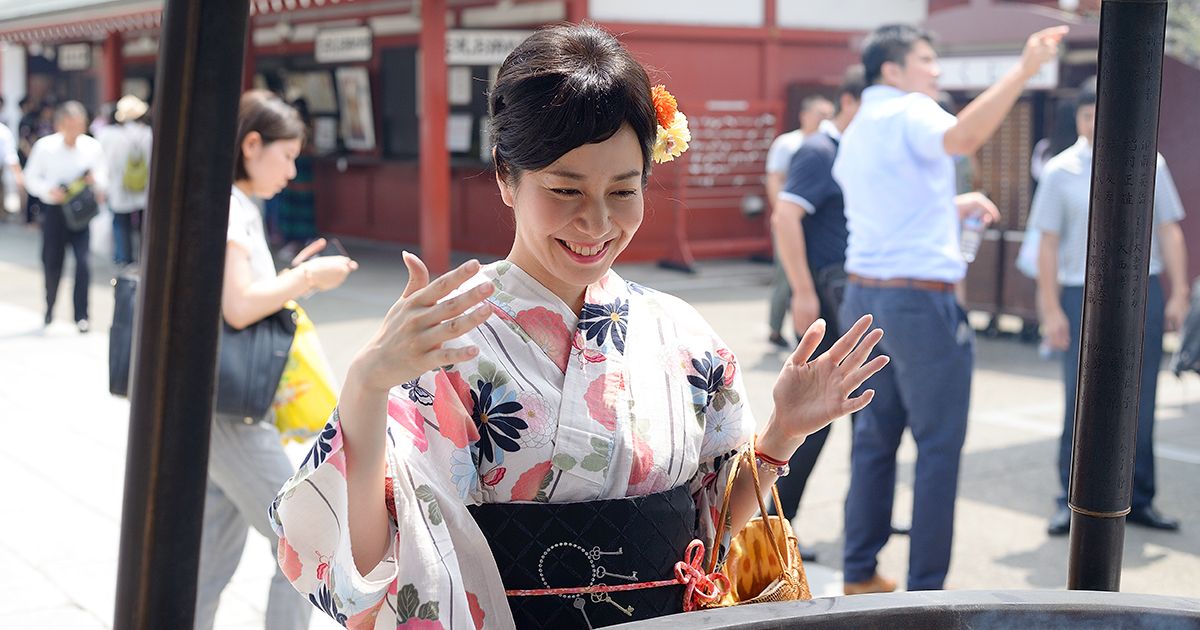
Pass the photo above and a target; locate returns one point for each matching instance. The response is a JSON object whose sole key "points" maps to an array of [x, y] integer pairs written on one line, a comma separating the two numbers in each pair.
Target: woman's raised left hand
{"points": [[811, 392]]}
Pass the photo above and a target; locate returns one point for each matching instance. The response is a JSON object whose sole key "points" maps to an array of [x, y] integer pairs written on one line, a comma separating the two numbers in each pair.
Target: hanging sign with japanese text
{"points": [[481, 47], [75, 57], [340, 45]]}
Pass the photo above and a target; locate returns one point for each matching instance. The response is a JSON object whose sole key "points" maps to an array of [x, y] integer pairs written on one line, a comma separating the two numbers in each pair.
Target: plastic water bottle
{"points": [[972, 234]]}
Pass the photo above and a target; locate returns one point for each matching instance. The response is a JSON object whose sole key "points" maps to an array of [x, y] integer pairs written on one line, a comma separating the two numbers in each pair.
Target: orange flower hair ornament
{"points": [[673, 134]]}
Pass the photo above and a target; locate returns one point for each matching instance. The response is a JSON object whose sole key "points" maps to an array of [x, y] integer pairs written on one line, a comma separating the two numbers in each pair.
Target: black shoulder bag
{"points": [[250, 361], [78, 211]]}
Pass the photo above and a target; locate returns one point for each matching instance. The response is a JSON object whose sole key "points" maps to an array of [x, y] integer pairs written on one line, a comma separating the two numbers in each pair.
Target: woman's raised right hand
{"points": [[410, 340]]}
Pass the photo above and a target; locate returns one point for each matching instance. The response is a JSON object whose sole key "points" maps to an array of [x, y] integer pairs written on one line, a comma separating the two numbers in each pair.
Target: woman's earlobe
{"points": [[251, 143], [506, 193]]}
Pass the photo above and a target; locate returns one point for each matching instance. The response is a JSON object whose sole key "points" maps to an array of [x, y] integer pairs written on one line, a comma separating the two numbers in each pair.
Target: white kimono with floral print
{"points": [[632, 396]]}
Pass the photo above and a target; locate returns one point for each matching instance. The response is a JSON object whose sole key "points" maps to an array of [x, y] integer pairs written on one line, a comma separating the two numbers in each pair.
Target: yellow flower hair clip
{"points": [[673, 134]]}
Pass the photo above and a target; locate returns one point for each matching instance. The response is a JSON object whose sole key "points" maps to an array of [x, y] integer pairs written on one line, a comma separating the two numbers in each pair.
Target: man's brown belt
{"points": [[902, 283]]}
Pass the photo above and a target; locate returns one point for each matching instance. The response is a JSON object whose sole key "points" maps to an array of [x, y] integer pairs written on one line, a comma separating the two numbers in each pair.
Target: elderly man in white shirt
{"points": [[903, 258], [1060, 213], [56, 162]]}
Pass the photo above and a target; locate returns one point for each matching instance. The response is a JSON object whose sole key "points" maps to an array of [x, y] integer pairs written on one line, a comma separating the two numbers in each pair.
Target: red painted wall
{"points": [[1178, 137]]}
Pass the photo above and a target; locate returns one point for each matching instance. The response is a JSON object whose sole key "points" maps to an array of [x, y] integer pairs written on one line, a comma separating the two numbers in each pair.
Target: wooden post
{"points": [[178, 313], [248, 60], [1121, 216], [577, 10], [112, 69], [435, 157]]}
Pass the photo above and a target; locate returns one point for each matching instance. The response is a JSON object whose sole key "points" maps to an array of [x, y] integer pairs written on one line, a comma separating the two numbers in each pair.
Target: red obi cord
{"points": [[700, 588]]}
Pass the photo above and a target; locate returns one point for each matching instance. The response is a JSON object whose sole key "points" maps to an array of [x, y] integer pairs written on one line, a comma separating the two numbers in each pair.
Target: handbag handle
{"points": [[746, 457]]}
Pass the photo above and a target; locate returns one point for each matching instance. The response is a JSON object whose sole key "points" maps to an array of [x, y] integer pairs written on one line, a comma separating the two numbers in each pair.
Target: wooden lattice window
{"points": [[1004, 166]]}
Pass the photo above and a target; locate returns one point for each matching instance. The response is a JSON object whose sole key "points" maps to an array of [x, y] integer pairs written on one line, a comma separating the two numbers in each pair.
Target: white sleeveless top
{"points": [[246, 229]]}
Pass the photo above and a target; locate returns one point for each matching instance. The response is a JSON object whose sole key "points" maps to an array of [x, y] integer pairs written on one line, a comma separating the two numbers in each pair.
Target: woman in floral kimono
{"points": [[541, 423]]}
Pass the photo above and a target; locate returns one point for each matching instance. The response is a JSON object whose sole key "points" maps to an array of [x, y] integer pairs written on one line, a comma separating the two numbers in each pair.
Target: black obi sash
{"points": [[614, 541]]}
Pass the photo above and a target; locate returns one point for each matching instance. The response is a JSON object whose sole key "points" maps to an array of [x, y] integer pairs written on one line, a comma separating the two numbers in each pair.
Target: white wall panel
{"points": [[690, 12], [850, 15]]}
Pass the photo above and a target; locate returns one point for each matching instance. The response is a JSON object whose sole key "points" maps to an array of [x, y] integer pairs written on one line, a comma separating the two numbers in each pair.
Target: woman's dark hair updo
{"points": [[563, 87]]}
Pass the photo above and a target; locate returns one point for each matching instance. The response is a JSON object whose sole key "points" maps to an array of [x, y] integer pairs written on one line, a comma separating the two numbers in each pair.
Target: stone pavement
{"points": [[63, 470]]}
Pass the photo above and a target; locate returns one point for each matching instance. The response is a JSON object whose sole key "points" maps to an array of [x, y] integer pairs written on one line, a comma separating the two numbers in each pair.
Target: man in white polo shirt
{"points": [[895, 167], [1060, 213]]}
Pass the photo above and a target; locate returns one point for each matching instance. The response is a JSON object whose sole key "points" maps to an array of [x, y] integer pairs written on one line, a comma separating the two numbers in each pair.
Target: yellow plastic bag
{"points": [[307, 392]]}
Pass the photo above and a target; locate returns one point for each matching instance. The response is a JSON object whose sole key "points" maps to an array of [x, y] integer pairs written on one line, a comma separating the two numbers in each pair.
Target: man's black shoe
{"points": [[807, 554], [777, 339], [1149, 517], [1060, 523]]}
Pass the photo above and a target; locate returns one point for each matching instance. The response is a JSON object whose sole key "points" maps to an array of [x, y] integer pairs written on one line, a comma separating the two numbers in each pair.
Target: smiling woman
{"points": [[576, 216], [574, 432]]}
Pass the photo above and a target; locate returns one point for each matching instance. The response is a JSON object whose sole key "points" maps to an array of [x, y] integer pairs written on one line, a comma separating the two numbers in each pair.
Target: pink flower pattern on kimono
{"points": [[289, 560], [643, 461], [365, 620], [548, 330], [541, 420], [731, 367], [590, 355], [405, 412], [449, 407], [530, 482], [602, 397], [493, 476], [477, 614]]}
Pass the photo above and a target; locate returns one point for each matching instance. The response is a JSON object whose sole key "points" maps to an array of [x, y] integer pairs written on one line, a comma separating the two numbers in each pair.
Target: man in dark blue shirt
{"points": [[809, 224]]}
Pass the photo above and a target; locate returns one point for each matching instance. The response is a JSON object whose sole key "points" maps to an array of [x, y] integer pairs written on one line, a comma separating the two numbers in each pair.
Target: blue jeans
{"points": [[123, 253], [1143, 466], [926, 388]]}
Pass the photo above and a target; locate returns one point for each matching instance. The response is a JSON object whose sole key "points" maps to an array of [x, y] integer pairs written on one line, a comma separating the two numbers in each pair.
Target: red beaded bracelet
{"points": [[768, 459]]}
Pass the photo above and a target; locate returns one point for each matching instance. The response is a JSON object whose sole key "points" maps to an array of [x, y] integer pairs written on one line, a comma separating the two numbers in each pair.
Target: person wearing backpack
{"points": [[127, 152]]}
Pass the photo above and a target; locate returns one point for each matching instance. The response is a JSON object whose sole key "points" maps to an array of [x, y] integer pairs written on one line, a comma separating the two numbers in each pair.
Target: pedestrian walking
{"points": [[813, 111], [246, 461], [809, 226], [36, 123], [1060, 213], [60, 167], [14, 177], [903, 259], [547, 405], [127, 145]]}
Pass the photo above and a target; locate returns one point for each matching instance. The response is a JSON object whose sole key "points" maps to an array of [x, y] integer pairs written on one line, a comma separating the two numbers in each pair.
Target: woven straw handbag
{"points": [[763, 563]]}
